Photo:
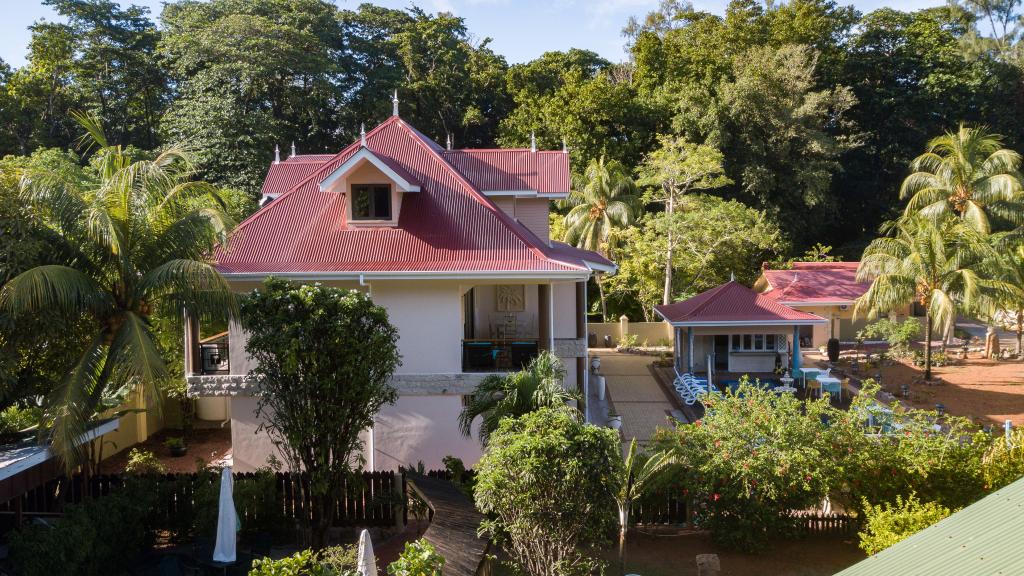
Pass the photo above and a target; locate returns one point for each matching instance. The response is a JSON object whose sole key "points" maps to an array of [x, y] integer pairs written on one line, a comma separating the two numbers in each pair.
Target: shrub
{"points": [[547, 483], [899, 335], [331, 561], [143, 462], [628, 342], [98, 537], [887, 524], [419, 558], [755, 456], [1004, 462], [255, 497], [14, 418]]}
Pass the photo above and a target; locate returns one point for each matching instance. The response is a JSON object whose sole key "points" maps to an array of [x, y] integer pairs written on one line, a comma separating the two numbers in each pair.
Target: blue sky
{"points": [[521, 29]]}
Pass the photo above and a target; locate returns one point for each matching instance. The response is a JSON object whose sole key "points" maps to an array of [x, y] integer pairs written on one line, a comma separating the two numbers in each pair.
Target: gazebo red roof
{"points": [[733, 304], [816, 283]]}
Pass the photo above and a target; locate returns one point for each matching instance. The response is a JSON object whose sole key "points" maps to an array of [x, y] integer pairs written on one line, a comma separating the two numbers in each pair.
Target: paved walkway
{"points": [[636, 395]]}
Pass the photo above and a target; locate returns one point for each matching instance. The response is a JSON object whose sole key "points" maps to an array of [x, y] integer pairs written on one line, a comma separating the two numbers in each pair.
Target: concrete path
{"points": [[635, 394]]}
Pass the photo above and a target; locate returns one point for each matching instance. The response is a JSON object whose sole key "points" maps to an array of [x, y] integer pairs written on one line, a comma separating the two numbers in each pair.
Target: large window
{"points": [[371, 202], [754, 342]]}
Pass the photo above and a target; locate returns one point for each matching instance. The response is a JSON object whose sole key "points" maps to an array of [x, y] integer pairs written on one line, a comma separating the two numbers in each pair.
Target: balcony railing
{"points": [[498, 355]]}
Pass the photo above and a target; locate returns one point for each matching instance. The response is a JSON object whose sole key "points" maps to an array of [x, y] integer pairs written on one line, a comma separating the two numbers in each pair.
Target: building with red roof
{"points": [[827, 289], [735, 329], [454, 243]]}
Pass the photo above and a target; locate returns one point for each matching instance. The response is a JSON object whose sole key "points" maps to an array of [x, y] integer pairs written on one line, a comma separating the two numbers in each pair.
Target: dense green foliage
{"points": [[758, 455], [499, 396], [332, 561], [322, 364], [419, 558], [897, 334], [889, 523], [547, 483]]}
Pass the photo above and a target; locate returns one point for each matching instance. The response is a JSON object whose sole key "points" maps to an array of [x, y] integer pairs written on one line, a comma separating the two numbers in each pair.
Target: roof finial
{"points": [[394, 103], [362, 135], [449, 141], [565, 147], [533, 142], [277, 154], [293, 149]]}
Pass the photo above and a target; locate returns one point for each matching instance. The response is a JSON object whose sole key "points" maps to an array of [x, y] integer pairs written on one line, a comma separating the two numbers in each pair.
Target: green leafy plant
{"points": [[547, 483], [419, 558], [174, 442], [887, 524], [301, 563], [898, 335], [143, 462], [16, 418], [628, 342], [1004, 461]]}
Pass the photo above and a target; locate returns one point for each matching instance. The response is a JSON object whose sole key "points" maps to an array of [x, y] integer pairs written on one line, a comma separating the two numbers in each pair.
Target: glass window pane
{"points": [[735, 341], [746, 342], [382, 202], [769, 342], [758, 341], [360, 202]]}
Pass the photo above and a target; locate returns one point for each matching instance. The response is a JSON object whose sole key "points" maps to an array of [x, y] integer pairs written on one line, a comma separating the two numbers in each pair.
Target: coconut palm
{"points": [[134, 234], [635, 477], [932, 263], [967, 173], [500, 396], [602, 201], [1007, 265]]}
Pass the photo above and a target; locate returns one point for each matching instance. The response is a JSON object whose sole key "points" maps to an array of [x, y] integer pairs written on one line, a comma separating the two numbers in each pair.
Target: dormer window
{"points": [[371, 202]]}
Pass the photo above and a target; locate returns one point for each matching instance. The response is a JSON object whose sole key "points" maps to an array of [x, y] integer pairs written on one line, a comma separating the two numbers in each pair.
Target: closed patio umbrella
{"points": [[227, 521], [367, 564]]}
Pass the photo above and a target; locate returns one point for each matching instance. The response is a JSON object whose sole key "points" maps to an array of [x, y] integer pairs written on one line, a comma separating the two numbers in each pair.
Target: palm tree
{"points": [[932, 263], [136, 234], [1007, 265], [634, 480], [502, 396], [602, 201], [967, 173]]}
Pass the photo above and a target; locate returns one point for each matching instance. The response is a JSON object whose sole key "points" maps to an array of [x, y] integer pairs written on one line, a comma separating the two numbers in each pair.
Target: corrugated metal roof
{"points": [[492, 170], [448, 226], [281, 176], [813, 282], [982, 539], [732, 302]]}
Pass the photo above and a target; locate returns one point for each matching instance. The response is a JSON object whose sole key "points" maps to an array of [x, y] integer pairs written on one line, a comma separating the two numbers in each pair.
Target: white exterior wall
{"points": [[428, 315], [422, 428], [564, 314]]}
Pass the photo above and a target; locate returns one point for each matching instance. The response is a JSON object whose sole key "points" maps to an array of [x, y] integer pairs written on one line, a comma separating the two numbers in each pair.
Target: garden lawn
{"points": [[675, 555]]}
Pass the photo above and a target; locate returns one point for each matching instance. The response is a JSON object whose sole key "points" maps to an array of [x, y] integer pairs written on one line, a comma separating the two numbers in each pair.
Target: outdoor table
{"points": [[784, 389], [804, 372], [830, 384]]}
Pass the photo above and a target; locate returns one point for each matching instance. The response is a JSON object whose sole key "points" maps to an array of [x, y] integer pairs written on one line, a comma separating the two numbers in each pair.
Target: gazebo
{"points": [[734, 329]]}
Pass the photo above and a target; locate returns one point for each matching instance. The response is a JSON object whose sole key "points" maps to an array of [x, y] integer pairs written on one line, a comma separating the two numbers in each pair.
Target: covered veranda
{"points": [[731, 331]]}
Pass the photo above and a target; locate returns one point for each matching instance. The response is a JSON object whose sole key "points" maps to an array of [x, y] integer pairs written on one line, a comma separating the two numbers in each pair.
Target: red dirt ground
{"points": [[208, 444]]}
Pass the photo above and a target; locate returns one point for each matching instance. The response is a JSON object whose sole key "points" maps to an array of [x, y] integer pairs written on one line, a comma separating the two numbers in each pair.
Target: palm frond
{"points": [[54, 287]]}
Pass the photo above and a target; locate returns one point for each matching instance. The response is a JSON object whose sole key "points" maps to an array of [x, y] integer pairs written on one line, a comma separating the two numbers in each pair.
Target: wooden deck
{"points": [[453, 526]]}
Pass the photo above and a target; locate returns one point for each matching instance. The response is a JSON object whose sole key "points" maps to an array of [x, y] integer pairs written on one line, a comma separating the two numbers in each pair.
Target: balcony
{"points": [[498, 355], [213, 355]]}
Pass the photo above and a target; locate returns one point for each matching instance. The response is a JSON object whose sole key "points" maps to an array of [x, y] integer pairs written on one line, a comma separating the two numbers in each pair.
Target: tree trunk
{"points": [[324, 522], [928, 346], [1020, 333], [604, 305], [666, 297], [623, 527]]}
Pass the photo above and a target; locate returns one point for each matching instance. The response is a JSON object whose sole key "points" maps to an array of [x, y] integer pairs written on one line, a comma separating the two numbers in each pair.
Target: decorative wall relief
{"points": [[510, 297]]}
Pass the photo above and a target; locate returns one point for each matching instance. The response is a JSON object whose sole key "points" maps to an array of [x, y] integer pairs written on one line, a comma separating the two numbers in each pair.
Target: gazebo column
{"points": [[689, 349], [677, 342], [796, 351]]}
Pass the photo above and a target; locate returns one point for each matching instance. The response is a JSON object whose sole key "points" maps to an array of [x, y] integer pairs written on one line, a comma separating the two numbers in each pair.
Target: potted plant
{"points": [[614, 420], [176, 445]]}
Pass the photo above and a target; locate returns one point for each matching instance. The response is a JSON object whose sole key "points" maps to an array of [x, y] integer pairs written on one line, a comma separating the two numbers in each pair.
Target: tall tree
{"points": [[969, 174], [323, 364], [137, 232], [932, 263], [638, 472], [603, 200], [677, 168]]}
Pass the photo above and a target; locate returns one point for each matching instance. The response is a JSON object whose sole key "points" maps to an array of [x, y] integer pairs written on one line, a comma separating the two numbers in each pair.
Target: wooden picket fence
{"points": [[369, 501], [828, 524]]}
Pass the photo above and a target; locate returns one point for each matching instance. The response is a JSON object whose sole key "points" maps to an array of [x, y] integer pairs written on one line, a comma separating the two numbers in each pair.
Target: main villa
{"points": [[453, 243]]}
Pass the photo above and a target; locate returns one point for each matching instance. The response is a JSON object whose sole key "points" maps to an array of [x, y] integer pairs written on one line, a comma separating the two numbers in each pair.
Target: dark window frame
{"points": [[372, 189]]}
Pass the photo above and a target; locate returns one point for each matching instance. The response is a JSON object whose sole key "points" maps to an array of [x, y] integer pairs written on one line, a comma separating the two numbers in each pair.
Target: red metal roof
{"points": [[816, 283], [448, 226], [283, 175], [733, 304], [518, 169]]}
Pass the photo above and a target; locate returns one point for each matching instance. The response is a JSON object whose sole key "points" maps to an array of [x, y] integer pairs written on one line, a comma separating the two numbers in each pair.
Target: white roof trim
{"points": [[365, 155], [525, 193], [36, 454], [417, 275], [601, 267]]}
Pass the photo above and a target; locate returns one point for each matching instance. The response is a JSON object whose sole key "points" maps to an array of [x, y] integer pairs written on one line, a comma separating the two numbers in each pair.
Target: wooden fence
{"points": [[371, 500]]}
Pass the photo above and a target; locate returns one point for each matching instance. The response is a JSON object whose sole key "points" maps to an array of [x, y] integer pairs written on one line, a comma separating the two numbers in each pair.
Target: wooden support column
{"points": [[192, 358], [581, 332]]}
